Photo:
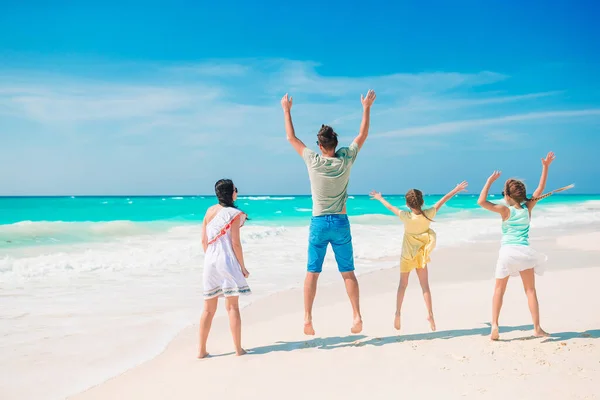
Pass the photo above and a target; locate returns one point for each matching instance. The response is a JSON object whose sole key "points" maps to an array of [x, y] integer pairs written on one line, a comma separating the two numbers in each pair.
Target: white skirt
{"points": [[514, 259]]}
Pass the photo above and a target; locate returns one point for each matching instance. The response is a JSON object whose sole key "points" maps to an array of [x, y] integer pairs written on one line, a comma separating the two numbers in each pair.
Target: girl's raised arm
{"points": [[483, 201], [377, 196], [542, 185], [461, 187]]}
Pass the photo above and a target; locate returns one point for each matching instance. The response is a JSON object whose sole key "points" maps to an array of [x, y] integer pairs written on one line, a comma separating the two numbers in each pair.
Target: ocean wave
{"points": [[374, 219], [44, 232], [177, 198], [299, 209]]}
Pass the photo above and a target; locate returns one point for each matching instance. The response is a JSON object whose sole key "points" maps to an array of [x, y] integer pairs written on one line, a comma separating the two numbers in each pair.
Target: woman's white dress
{"points": [[222, 271]]}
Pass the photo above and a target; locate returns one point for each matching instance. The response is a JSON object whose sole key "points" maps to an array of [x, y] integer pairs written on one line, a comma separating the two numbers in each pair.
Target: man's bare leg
{"points": [[353, 293], [310, 291]]}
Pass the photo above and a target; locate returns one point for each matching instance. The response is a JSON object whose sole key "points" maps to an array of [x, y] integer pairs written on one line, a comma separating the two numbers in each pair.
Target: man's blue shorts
{"points": [[334, 229]]}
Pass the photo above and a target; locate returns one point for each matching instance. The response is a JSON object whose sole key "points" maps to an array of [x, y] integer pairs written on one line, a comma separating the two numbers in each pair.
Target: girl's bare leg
{"points": [[424, 281], [235, 323], [210, 307], [400, 297], [497, 305], [528, 278]]}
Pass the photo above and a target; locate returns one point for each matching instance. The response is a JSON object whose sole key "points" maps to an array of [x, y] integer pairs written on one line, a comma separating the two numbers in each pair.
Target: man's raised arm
{"points": [[286, 104], [367, 102]]}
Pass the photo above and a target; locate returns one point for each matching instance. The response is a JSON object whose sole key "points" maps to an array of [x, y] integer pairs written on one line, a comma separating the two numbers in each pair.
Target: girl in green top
{"points": [[516, 257]]}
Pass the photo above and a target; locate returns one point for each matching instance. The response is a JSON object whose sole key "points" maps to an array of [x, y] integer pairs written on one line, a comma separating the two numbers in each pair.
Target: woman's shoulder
{"points": [[212, 212]]}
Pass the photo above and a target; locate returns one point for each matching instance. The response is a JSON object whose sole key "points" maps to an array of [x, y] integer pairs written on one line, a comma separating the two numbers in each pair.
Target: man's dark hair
{"points": [[327, 137]]}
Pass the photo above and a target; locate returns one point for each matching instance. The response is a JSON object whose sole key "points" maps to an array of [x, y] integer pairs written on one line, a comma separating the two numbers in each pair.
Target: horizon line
{"points": [[241, 196]]}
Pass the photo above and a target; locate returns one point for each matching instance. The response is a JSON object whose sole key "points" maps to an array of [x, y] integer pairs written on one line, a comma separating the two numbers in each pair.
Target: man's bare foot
{"points": [[495, 335], [308, 328], [431, 322], [203, 354], [397, 322], [240, 352], [357, 326], [539, 332]]}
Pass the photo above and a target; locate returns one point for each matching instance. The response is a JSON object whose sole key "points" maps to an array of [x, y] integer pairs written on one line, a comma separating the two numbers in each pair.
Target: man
{"points": [[329, 173]]}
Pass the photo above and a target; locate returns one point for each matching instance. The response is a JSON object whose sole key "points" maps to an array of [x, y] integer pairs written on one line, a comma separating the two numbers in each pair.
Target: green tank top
{"points": [[515, 230]]}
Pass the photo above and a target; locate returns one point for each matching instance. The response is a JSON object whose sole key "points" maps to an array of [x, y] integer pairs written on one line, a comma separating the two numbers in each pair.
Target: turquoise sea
{"points": [[26, 221]]}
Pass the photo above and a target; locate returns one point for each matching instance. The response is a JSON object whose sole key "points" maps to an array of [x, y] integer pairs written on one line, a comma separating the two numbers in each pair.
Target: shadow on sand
{"points": [[336, 342]]}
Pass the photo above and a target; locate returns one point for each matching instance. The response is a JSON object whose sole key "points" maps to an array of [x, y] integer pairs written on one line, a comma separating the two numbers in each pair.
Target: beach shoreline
{"points": [[264, 313]]}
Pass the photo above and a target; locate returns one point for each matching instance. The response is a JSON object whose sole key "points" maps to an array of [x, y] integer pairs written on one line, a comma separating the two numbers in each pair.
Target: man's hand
{"points": [[286, 103], [367, 101]]}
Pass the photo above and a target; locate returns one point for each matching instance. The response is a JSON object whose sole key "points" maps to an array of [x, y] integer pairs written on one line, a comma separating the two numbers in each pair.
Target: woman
{"points": [[224, 270]]}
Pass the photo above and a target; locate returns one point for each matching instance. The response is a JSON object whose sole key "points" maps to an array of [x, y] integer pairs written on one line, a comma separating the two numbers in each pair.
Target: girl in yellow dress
{"points": [[418, 243]]}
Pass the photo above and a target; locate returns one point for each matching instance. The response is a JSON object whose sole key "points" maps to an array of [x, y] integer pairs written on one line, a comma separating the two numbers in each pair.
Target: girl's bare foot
{"points": [[202, 354], [240, 352], [357, 326], [495, 335], [397, 322], [308, 328], [539, 332], [431, 322]]}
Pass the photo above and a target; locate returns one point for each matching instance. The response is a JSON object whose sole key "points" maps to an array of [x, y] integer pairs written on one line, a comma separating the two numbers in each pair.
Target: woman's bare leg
{"points": [[210, 307], [424, 281], [497, 305], [400, 297], [528, 278], [235, 323]]}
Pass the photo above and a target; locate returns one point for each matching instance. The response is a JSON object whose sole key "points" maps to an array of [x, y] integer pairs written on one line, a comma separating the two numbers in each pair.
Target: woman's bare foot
{"points": [[397, 322], [357, 326], [539, 332], [431, 322], [308, 328], [202, 354], [495, 335], [240, 352]]}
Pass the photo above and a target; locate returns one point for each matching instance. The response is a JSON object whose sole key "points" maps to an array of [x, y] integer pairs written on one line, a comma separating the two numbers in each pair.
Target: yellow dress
{"points": [[419, 240]]}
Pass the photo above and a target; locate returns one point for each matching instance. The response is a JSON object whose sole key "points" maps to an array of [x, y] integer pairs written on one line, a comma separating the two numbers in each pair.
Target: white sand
{"points": [[458, 361]]}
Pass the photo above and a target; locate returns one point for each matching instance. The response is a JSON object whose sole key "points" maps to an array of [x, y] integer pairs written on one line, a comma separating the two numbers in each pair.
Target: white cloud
{"points": [[213, 69], [302, 77], [457, 126], [238, 101]]}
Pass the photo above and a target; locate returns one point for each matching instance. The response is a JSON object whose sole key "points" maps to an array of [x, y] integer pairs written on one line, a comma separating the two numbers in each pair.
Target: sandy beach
{"points": [[457, 361]]}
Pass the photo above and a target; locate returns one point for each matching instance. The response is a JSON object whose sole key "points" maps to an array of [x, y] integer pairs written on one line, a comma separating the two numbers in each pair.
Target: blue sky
{"points": [[148, 97]]}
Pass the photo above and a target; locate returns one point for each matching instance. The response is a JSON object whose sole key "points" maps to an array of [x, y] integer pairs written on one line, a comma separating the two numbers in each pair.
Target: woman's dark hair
{"points": [[224, 190], [414, 199], [327, 137]]}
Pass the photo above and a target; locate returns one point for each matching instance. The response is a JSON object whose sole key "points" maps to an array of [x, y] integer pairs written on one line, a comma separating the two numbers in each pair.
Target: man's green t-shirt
{"points": [[329, 178]]}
